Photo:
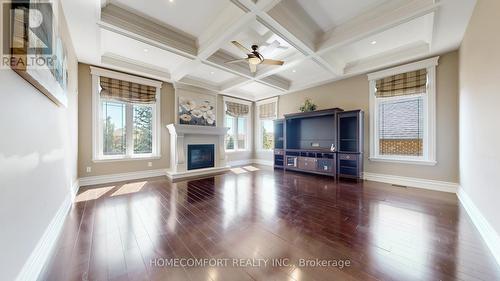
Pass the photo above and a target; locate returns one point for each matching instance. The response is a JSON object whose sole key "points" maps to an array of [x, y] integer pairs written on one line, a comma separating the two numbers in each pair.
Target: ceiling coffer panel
{"points": [[117, 19]]}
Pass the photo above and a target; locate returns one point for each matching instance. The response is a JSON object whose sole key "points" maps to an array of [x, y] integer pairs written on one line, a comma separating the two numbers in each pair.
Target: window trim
{"points": [[248, 135], [429, 154], [97, 144], [258, 121]]}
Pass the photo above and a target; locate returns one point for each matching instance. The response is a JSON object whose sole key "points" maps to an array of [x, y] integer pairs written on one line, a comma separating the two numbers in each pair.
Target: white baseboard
{"points": [[121, 177], [263, 162], [43, 249], [74, 189], [240, 162], [488, 233], [85, 181], [250, 161], [413, 182]]}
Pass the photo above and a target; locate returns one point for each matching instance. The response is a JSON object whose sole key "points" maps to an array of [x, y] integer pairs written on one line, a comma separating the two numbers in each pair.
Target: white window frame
{"points": [[429, 140], [258, 133], [97, 119], [248, 135]]}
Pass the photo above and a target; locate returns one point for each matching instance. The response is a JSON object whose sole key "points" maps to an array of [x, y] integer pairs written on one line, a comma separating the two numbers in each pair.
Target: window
{"points": [[402, 109], [125, 116], [266, 113], [237, 114]]}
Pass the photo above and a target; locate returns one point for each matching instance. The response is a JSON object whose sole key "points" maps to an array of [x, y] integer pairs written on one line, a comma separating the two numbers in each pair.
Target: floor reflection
{"points": [[200, 190], [388, 233], [401, 240]]}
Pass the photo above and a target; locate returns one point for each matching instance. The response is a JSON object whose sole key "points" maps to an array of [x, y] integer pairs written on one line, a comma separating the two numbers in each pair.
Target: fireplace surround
{"points": [[184, 136]]}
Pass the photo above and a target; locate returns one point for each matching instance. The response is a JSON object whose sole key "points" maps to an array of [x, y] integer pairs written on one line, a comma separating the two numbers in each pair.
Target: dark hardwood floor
{"points": [[128, 231]]}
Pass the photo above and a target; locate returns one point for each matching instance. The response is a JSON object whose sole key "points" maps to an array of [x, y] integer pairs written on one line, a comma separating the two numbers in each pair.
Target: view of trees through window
{"points": [[143, 129], [267, 134], [230, 133], [236, 136], [114, 140], [115, 128]]}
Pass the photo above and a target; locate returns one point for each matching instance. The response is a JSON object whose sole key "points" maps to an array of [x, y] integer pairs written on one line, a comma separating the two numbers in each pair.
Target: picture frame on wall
{"points": [[38, 52], [195, 107]]}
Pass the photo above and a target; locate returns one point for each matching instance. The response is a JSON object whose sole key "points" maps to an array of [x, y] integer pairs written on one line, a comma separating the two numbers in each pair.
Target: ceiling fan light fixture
{"points": [[254, 60]]}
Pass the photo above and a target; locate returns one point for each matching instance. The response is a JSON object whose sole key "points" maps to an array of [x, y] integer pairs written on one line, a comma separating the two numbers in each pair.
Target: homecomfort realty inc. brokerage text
{"points": [[248, 262]]}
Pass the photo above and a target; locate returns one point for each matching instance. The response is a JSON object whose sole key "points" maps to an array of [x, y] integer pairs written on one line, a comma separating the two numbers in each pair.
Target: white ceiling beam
{"points": [[233, 84], [184, 69], [302, 44], [290, 63], [133, 26], [393, 57], [199, 84], [124, 22], [120, 63], [389, 58], [379, 19], [228, 23]]}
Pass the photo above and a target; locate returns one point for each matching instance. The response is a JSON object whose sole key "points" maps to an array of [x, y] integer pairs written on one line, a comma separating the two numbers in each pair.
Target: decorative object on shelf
{"points": [[195, 107], [38, 47], [332, 148], [308, 106]]}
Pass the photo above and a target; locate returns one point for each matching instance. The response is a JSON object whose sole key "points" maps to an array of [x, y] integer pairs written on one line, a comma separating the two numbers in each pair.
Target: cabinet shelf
{"points": [[303, 142]]}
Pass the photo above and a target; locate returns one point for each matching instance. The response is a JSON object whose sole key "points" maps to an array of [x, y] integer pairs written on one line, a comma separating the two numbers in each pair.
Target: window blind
{"points": [[401, 125], [125, 91], [236, 109], [267, 110], [409, 83]]}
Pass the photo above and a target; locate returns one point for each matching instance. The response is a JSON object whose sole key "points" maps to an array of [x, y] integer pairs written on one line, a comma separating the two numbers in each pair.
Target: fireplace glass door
{"points": [[200, 156]]}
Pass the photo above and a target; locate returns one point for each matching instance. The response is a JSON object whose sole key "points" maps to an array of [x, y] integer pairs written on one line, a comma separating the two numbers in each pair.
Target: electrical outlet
{"points": [[89, 169], [150, 164]]}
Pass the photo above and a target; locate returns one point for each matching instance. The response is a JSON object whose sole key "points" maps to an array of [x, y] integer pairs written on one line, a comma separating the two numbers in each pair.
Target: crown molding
{"points": [[130, 24]]}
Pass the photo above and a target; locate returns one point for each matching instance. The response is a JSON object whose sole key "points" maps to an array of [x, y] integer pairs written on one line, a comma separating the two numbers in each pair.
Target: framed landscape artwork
{"points": [[197, 109], [37, 49]]}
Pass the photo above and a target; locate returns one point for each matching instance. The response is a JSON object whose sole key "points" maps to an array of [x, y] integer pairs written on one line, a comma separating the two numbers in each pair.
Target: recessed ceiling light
{"points": [[171, 1], [293, 70], [146, 50], [211, 72], [374, 42]]}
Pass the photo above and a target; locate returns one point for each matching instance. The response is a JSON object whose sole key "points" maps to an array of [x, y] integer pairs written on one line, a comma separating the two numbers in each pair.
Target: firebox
{"points": [[200, 156]]}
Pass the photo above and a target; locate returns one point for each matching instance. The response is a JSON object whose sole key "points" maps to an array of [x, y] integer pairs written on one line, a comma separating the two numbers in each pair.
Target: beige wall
{"points": [[167, 117], [85, 132], [352, 93], [38, 162], [479, 103]]}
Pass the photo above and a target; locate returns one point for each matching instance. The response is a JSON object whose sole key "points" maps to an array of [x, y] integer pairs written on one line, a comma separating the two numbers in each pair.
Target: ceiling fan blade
{"points": [[273, 62], [253, 67], [241, 47], [236, 61]]}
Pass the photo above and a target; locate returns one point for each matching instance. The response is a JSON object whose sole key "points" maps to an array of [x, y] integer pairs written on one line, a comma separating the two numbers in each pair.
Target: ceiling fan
{"points": [[254, 57]]}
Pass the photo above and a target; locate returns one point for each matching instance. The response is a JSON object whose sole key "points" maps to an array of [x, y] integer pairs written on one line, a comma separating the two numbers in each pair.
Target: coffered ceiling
{"points": [[189, 41]]}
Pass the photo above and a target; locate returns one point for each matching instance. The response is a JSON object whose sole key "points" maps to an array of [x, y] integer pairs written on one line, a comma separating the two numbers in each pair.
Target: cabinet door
{"points": [[307, 163], [325, 165], [349, 165]]}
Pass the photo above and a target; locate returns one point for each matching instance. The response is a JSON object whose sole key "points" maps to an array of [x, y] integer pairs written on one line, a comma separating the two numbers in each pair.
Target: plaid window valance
{"points": [[236, 109], [409, 83], [267, 110], [126, 91]]}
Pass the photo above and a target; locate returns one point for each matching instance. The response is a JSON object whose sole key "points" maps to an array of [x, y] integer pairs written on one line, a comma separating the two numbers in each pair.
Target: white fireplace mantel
{"points": [[183, 135], [178, 129]]}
